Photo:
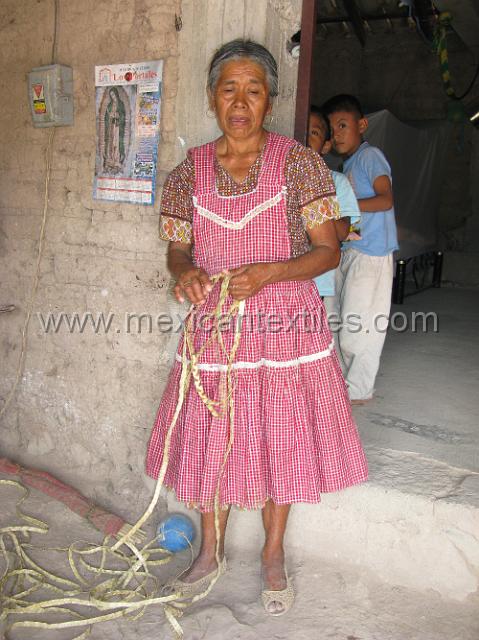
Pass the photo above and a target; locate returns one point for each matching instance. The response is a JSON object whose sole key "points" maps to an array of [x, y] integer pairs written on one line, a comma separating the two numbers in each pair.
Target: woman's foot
{"points": [[275, 580], [197, 579], [277, 594], [274, 575], [201, 567]]}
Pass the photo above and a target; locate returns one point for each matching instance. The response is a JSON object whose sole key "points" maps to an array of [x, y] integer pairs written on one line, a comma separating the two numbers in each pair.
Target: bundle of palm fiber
{"points": [[30, 591]]}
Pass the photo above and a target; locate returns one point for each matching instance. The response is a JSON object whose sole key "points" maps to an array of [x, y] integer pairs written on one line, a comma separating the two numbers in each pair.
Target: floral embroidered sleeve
{"points": [[176, 211], [316, 212], [314, 188]]}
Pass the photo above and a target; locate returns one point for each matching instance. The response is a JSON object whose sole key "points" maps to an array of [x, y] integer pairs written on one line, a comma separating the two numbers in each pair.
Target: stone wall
{"points": [[86, 401]]}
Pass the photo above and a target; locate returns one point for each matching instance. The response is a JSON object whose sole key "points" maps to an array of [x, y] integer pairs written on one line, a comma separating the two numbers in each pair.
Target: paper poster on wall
{"points": [[128, 109]]}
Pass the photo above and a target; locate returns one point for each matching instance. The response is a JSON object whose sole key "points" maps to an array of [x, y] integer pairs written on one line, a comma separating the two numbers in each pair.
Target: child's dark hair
{"points": [[318, 111], [343, 102]]}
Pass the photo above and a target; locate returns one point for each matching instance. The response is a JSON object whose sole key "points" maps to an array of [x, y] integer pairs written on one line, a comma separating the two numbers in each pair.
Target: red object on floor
{"points": [[107, 523]]}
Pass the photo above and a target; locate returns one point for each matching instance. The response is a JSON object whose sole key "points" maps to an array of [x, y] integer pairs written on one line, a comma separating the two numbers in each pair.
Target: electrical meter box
{"points": [[50, 92]]}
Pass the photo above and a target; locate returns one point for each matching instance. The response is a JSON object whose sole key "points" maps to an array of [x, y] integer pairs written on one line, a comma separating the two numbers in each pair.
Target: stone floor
{"points": [[334, 600], [420, 432], [427, 397]]}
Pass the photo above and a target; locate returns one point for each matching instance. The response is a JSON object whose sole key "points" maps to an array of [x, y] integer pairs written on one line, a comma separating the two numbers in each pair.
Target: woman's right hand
{"points": [[193, 284]]}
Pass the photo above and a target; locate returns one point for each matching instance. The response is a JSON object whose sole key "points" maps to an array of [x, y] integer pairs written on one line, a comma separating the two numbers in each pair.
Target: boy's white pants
{"points": [[359, 315]]}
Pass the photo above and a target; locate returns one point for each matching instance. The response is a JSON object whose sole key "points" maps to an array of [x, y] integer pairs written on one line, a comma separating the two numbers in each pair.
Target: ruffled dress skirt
{"points": [[294, 435]]}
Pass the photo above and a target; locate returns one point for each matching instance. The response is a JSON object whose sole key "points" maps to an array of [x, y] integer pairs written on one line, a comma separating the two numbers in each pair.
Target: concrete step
{"points": [[414, 524], [334, 600]]}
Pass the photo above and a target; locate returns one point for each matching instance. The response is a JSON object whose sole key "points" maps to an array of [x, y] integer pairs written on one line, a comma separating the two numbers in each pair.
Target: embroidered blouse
{"points": [[311, 196]]}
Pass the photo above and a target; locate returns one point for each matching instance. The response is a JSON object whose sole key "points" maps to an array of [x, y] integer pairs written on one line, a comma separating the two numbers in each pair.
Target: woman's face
{"points": [[241, 98]]}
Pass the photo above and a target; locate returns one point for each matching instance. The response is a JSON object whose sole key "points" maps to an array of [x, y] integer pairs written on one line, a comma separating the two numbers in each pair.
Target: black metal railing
{"points": [[417, 274]]}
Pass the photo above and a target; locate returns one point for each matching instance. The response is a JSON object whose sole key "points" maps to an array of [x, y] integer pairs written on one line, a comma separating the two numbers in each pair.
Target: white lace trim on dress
{"points": [[241, 224], [275, 364]]}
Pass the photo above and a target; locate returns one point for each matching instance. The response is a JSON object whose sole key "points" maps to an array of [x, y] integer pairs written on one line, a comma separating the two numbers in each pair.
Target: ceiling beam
{"points": [[367, 17], [422, 13], [355, 17]]}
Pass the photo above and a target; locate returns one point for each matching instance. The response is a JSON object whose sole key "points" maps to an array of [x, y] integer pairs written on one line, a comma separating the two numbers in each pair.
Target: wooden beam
{"points": [[368, 17], [303, 91], [355, 17], [422, 12]]}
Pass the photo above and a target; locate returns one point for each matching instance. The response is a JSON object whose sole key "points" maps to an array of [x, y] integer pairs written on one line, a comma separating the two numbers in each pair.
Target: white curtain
{"points": [[417, 155]]}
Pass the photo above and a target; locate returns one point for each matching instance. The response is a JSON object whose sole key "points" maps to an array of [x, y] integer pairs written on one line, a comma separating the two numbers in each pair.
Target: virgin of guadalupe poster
{"points": [[128, 110]]}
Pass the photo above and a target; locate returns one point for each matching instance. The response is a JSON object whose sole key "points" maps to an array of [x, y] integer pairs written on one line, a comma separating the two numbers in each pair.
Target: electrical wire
{"points": [[468, 90], [36, 277], [41, 239], [55, 30]]}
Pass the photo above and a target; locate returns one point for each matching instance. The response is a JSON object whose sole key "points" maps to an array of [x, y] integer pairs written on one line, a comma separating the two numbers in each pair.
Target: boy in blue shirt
{"points": [[365, 273], [319, 139]]}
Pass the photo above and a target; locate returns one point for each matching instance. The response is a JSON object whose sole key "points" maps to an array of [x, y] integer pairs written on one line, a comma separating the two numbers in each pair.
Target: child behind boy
{"points": [[319, 139], [365, 273]]}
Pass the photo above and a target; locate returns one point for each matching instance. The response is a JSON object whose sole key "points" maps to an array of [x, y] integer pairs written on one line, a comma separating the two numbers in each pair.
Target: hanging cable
{"points": [[55, 30], [36, 277], [468, 90], [41, 238]]}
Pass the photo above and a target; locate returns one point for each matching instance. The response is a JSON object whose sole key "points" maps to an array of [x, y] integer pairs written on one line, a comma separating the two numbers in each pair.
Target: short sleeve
{"points": [[176, 209], [374, 164], [310, 183], [348, 204]]}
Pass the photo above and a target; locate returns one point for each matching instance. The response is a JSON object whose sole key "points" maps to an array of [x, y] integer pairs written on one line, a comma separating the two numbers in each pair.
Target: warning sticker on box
{"points": [[39, 104]]}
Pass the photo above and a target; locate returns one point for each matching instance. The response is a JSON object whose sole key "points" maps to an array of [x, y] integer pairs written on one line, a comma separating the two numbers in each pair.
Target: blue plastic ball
{"points": [[176, 532]]}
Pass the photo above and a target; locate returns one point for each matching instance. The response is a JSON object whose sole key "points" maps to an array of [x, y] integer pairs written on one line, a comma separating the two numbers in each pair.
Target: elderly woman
{"points": [[258, 207]]}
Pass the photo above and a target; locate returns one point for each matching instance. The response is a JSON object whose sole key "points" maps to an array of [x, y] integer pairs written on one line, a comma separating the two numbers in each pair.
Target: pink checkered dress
{"points": [[294, 436]]}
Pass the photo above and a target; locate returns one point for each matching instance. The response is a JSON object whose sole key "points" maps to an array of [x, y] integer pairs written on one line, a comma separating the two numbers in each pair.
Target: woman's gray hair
{"points": [[240, 48]]}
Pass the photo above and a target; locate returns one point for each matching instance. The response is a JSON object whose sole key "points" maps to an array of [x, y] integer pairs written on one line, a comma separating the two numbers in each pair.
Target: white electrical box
{"points": [[50, 92]]}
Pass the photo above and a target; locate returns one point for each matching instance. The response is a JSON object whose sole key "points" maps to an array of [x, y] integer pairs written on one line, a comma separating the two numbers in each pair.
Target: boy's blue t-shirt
{"points": [[348, 206], [378, 230]]}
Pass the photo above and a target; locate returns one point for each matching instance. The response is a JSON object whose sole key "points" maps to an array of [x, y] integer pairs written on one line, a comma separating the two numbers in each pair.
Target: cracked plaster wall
{"points": [[270, 22], [86, 401]]}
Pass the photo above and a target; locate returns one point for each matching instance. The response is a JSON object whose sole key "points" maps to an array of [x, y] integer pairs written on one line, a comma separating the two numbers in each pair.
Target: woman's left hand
{"points": [[247, 280]]}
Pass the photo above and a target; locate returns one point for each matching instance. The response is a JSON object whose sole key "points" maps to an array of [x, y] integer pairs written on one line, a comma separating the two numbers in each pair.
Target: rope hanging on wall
{"points": [[440, 45]]}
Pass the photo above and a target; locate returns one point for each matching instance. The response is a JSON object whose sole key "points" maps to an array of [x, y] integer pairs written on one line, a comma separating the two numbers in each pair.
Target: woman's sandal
{"points": [[284, 597], [191, 589]]}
